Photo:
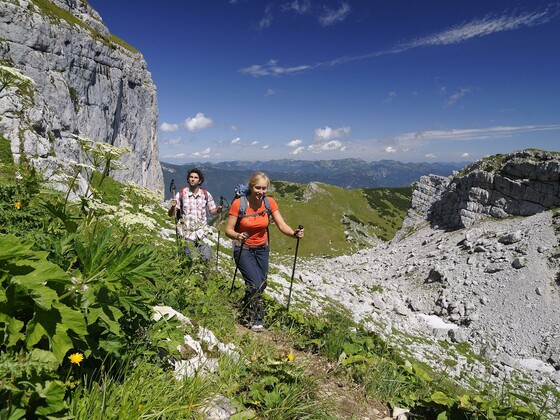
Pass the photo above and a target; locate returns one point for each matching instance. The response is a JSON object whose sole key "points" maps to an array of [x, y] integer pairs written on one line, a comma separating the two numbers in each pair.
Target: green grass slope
{"points": [[337, 221]]}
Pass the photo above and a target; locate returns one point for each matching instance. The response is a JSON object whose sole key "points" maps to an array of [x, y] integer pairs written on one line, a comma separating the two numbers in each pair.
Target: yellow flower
{"points": [[76, 358], [290, 357], [18, 205]]}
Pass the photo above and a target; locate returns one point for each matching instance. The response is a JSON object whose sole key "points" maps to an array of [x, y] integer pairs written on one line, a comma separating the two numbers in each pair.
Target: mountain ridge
{"points": [[222, 177]]}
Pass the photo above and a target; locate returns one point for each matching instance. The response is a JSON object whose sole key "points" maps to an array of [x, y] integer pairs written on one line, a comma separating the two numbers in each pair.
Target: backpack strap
{"points": [[243, 208], [205, 195]]}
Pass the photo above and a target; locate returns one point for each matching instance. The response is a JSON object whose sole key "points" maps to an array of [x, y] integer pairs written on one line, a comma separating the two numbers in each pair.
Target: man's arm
{"points": [[212, 208]]}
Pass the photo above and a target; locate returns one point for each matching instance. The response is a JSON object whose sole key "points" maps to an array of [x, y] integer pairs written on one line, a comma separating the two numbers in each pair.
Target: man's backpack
{"points": [[241, 192], [182, 200]]}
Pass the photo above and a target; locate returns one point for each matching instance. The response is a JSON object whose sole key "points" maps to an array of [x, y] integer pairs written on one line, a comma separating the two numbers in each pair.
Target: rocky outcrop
{"points": [[480, 297], [84, 82], [522, 183], [482, 301]]}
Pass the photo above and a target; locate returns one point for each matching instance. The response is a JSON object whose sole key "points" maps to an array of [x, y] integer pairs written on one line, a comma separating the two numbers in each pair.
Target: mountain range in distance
{"points": [[221, 178]]}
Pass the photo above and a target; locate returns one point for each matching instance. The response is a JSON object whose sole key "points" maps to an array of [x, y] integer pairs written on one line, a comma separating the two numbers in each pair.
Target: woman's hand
{"points": [[242, 237]]}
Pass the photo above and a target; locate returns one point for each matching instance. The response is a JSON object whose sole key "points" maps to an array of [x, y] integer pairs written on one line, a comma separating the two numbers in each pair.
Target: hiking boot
{"points": [[257, 328]]}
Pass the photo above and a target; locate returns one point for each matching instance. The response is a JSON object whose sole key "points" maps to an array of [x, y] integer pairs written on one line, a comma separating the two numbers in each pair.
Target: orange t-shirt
{"points": [[255, 226]]}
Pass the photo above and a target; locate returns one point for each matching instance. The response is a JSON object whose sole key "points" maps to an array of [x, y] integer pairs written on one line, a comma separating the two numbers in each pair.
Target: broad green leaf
{"points": [[421, 373], [61, 342], [50, 324], [108, 314], [35, 332], [135, 304], [72, 319], [12, 248], [45, 357], [12, 414], [351, 348], [13, 327], [464, 401], [53, 393], [358, 358], [440, 398], [442, 416], [111, 345]]}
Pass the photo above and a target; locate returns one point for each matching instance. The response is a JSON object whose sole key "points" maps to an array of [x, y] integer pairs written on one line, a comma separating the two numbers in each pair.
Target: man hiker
{"points": [[191, 206]]}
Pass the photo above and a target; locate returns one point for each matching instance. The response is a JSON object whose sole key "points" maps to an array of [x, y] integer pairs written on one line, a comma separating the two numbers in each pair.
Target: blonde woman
{"points": [[251, 249]]}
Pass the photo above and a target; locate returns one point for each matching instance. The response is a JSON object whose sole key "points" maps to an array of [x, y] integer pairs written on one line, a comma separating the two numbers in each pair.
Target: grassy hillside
{"points": [[337, 221], [80, 282]]}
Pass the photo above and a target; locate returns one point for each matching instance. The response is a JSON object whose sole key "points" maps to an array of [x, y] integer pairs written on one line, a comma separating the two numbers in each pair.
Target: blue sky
{"points": [[408, 80]]}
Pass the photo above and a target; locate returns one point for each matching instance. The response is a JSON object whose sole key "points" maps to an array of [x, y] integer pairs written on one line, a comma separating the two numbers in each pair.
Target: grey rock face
{"points": [[492, 286], [84, 84], [522, 183]]}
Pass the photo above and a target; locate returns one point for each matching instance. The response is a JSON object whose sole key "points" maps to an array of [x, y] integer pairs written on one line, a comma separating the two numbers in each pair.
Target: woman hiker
{"points": [[251, 249]]}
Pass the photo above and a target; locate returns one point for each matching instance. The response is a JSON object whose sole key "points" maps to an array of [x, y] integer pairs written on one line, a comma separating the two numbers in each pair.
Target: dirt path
{"points": [[348, 400]]}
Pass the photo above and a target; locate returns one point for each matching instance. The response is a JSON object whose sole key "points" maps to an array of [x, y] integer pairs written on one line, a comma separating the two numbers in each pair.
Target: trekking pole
{"points": [[173, 191], [219, 223], [300, 227], [237, 263]]}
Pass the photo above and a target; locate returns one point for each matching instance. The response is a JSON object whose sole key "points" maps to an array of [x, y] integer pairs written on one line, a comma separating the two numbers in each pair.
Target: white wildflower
{"points": [[136, 220]]}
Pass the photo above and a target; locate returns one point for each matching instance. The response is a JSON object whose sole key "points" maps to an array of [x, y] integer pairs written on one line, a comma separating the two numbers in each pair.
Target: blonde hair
{"points": [[258, 177]]}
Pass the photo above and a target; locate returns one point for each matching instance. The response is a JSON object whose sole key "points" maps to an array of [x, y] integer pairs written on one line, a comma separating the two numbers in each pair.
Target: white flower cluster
{"points": [[100, 207], [122, 216], [77, 166], [135, 220]]}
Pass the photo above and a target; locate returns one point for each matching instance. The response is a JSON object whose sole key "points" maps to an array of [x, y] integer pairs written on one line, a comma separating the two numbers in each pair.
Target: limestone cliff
{"points": [[522, 183], [83, 82]]}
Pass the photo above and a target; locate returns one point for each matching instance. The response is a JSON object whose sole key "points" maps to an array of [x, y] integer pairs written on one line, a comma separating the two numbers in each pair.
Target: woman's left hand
{"points": [[298, 233]]}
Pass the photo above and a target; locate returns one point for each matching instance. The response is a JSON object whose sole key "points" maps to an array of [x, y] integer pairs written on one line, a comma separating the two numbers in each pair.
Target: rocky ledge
{"points": [[484, 292]]}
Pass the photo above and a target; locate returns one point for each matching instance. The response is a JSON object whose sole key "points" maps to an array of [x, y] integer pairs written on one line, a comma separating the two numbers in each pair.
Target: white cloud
{"points": [[327, 139], [294, 143], [175, 156], [332, 16], [266, 21], [468, 134], [390, 149], [198, 122], [272, 69], [270, 92], [485, 26], [233, 128], [236, 140], [390, 97], [430, 155], [466, 155], [176, 141], [254, 143], [328, 133], [481, 27], [297, 150], [202, 154], [266, 146], [168, 127], [326, 146], [297, 6], [456, 96]]}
